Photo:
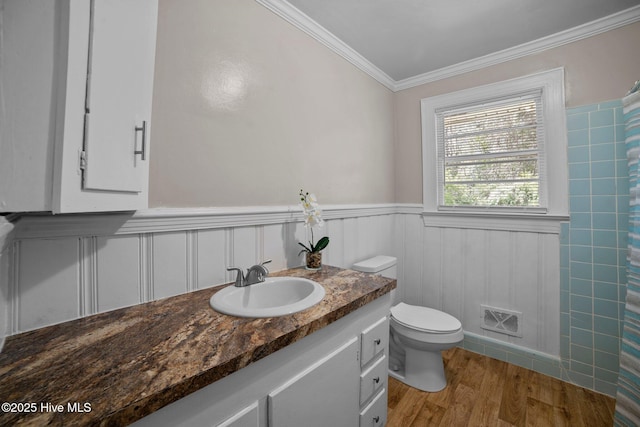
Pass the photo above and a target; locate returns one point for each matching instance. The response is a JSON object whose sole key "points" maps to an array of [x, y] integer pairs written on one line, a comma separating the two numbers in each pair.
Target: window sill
{"points": [[532, 223]]}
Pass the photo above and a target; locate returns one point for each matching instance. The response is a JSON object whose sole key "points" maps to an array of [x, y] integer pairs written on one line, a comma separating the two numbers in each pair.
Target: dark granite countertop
{"points": [[127, 363]]}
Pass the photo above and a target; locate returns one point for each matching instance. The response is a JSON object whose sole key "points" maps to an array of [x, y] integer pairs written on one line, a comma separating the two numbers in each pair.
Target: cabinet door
{"points": [[101, 83], [326, 394], [248, 417], [119, 92]]}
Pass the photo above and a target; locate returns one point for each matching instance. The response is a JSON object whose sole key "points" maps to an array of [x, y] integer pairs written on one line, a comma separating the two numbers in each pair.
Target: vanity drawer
{"points": [[374, 339], [373, 379], [375, 414]]}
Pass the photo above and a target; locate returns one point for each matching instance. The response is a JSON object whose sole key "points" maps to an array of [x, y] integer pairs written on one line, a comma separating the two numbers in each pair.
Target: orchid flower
{"points": [[312, 218]]}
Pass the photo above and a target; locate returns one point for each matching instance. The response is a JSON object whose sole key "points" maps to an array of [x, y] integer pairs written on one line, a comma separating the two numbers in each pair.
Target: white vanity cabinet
{"points": [[374, 343], [317, 381], [326, 394], [247, 417], [77, 87]]}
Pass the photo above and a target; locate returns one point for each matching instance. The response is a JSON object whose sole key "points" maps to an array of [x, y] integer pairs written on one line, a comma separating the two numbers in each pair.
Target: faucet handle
{"points": [[266, 270], [257, 273], [240, 277], [265, 262]]}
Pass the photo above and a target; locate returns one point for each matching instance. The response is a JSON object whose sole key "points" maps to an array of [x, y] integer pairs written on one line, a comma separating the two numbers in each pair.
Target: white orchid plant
{"points": [[312, 218]]}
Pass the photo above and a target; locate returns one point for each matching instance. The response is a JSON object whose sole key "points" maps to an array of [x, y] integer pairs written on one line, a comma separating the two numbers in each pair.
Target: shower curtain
{"points": [[628, 395]]}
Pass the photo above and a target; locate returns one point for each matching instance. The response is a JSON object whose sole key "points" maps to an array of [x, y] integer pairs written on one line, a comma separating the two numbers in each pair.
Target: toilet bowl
{"points": [[417, 335]]}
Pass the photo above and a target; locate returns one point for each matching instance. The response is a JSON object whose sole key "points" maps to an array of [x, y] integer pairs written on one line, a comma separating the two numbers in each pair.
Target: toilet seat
{"points": [[425, 319]]}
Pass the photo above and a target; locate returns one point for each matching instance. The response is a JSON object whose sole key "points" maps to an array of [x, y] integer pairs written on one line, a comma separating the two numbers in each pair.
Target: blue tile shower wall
{"points": [[593, 247]]}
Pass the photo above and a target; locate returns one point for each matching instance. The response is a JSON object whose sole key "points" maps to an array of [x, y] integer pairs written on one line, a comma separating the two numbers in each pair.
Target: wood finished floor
{"points": [[487, 392]]}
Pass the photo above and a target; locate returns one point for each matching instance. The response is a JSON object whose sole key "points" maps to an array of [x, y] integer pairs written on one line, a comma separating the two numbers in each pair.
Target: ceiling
{"points": [[403, 39]]}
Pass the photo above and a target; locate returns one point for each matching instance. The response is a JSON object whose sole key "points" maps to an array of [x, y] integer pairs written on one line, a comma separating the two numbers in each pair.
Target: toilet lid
{"points": [[424, 318]]}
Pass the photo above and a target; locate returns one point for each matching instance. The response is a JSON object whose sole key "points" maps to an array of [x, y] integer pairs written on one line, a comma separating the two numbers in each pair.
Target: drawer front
{"points": [[375, 414], [373, 379], [374, 340]]}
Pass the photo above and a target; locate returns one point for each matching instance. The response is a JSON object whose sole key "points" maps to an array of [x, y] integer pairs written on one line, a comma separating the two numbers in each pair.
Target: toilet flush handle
{"points": [[377, 341]]}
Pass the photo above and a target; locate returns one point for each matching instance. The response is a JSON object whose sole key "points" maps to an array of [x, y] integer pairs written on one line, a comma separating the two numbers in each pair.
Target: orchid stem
{"points": [[311, 242]]}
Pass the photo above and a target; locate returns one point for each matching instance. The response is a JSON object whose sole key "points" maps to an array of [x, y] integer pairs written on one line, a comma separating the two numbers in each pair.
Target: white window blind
{"points": [[491, 154]]}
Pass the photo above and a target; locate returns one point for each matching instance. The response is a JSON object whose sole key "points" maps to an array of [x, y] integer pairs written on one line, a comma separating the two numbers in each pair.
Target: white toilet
{"points": [[417, 335]]}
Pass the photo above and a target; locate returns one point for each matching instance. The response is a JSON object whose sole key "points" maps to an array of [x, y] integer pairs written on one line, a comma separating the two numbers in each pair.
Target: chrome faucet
{"points": [[255, 274]]}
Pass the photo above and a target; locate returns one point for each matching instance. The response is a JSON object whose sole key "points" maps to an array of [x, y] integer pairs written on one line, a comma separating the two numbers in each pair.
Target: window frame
{"points": [[546, 218]]}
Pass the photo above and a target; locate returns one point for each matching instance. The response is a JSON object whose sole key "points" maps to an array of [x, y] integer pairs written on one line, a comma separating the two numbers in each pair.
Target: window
{"points": [[491, 154], [496, 151]]}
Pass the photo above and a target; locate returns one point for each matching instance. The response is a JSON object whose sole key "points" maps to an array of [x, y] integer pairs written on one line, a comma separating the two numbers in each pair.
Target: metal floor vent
{"points": [[501, 320]]}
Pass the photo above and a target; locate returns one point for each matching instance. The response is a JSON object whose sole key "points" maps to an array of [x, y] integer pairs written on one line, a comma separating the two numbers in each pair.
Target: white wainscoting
{"points": [[458, 269], [64, 267], [58, 268]]}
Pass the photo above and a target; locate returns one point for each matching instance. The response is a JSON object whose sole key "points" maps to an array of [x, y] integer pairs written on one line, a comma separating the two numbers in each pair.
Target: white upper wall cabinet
{"points": [[120, 87], [87, 104]]}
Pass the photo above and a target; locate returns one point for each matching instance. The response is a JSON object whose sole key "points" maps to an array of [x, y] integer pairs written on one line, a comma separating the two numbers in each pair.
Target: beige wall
{"points": [[597, 69], [248, 109]]}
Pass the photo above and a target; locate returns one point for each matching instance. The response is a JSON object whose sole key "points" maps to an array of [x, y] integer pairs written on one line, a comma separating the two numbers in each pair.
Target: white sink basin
{"points": [[276, 296]]}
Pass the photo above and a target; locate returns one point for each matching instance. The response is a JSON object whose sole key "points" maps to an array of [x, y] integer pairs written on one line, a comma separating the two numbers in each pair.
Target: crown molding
{"points": [[571, 35], [298, 19], [294, 16]]}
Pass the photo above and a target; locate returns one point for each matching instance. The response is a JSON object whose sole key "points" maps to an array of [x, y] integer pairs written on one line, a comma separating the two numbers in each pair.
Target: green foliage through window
{"points": [[490, 154]]}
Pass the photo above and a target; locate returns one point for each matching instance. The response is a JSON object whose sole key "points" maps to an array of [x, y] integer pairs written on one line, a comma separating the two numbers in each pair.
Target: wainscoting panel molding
{"points": [[118, 277], [47, 285], [457, 269], [62, 270], [167, 220], [59, 268]]}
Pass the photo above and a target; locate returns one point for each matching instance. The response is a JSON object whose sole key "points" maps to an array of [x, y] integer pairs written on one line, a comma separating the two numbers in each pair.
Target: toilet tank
{"points": [[382, 265]]}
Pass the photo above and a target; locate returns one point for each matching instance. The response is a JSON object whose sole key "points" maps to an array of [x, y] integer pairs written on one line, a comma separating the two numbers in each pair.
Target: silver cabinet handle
{"points": [[143, 150]]}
